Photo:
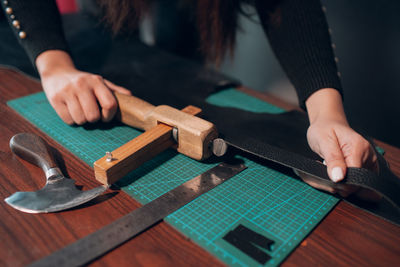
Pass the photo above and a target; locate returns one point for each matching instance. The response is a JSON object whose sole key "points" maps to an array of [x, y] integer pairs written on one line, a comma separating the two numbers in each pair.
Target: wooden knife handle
{"points": [[33, 149], [134, 111]]}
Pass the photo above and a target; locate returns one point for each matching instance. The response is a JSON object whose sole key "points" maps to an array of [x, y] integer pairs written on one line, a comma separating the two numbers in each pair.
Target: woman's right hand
{"points": [[77, 97]]}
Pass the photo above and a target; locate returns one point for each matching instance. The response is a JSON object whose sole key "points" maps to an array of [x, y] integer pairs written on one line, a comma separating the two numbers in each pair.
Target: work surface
{"points": [[347, 235]]}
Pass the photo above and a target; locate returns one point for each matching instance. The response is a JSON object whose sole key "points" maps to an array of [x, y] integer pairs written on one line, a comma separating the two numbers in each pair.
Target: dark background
{"points": [[367, 39], [367, 34]]}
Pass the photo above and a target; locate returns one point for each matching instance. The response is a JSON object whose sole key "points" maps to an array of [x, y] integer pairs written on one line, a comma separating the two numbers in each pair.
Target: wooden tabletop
{"points": [[347, 236]]}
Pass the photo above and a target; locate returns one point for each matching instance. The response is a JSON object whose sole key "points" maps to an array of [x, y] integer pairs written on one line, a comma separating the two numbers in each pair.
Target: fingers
{"points": [[100, 92], [333, 156], [75, 110], [106, 100], [89, 105], [80, 97], [117, 88], [62, 111], [68, 109], [340, 147], [79, 102], [371, 162], [357, 151]]}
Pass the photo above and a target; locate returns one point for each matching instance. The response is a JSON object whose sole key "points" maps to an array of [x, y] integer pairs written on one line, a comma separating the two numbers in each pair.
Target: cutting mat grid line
{"points": [[282, 207]]}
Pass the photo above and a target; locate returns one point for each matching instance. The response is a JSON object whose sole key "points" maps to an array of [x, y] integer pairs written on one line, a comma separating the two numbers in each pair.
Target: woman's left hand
{"points": [[340, 147], [331, 137]]}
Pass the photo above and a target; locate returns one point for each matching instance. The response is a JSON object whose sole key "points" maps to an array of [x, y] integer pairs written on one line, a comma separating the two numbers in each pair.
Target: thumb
{"points": [[333, 156], [117, 88]]}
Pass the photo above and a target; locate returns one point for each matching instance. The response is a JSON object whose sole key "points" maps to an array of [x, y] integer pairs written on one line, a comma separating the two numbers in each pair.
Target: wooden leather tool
{"points": [[194, 136], [59, 193]]}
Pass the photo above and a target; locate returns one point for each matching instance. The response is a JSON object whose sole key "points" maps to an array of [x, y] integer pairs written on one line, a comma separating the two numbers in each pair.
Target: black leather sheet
{"points": [[161, 78]]}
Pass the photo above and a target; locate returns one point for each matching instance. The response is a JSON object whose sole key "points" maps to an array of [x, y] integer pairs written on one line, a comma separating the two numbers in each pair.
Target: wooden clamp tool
{"points": [[193, 136]]}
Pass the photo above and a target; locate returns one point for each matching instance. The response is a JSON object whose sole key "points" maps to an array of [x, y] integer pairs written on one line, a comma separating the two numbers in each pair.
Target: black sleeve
{"points": [[299, 35], [36, 24]]}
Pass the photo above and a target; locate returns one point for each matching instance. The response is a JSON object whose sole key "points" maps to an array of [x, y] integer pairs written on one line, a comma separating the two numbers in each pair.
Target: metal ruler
{"points": [[132, 224]]}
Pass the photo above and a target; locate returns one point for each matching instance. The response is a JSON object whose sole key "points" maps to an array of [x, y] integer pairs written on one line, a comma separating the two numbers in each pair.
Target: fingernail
{"points": [[337, 174]]}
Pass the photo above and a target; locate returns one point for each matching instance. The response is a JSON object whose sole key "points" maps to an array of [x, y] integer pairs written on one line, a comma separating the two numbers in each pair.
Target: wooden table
{"points": [[347, 236]]}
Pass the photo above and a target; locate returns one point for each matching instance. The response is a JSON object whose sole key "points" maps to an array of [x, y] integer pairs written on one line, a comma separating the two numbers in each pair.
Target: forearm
{"points": [[326, 103], [52, 61], [36, 24], [298, 34]]}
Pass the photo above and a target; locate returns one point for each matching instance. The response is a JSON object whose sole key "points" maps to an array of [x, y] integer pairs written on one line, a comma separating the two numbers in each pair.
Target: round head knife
{"points": [[59, 193]]}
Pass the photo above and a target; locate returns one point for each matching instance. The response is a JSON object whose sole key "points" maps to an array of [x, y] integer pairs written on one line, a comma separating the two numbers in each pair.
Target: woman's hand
{"points": [[77, 97], [331, 137]]}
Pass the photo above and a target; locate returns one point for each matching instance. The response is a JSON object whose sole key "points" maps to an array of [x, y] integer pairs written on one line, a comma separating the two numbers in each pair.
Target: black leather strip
{"points": [[161, 78], [385, 182], [247, 247]]}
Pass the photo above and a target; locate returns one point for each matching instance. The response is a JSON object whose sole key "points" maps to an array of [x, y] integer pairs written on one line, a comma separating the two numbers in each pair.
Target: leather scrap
{"points": [[245, 233], [246, 246]]}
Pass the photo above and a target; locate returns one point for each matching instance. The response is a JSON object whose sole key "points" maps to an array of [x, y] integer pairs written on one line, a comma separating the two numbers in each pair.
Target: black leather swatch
{"points": [[247, 247]]}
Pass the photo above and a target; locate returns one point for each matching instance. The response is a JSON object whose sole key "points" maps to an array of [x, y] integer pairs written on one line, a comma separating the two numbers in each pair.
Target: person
{"points": [[298, 33]]}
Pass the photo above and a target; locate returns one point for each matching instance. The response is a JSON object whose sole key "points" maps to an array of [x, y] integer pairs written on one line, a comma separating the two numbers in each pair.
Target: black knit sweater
{"points": [[297, 30]]}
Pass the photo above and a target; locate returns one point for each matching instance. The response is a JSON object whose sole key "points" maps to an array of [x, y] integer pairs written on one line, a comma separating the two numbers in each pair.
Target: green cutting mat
{"points": [[271, 203]]}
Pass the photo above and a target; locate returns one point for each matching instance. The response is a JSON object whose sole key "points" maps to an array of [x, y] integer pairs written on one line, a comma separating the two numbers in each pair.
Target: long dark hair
{"points": [[217, 21]]}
